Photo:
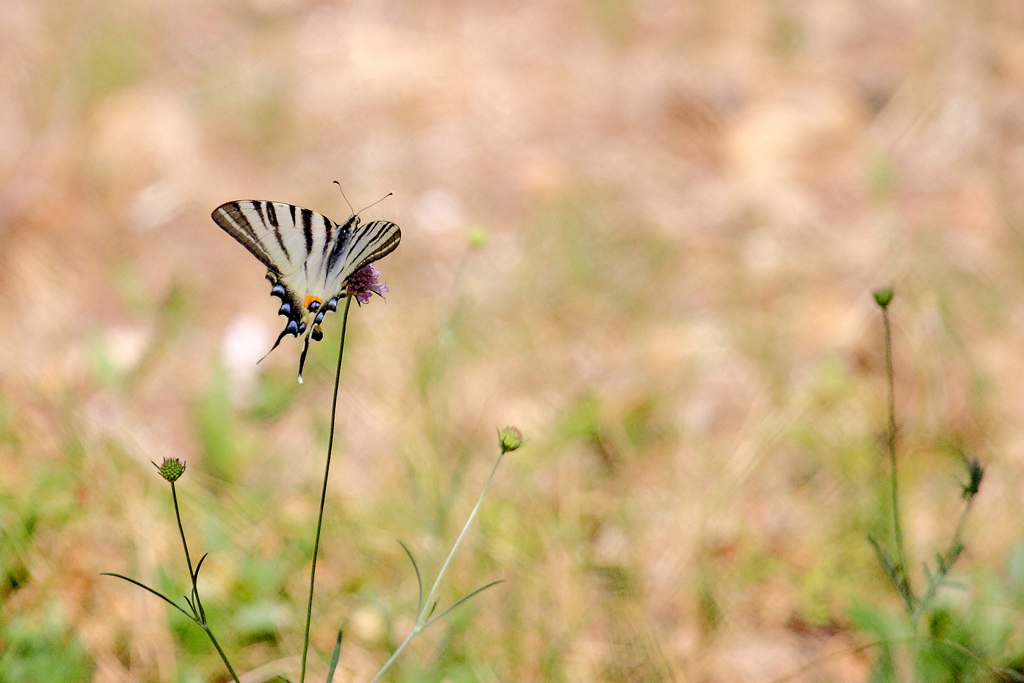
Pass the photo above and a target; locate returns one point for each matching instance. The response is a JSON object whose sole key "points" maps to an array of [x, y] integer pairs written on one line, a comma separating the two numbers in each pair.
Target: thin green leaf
{"points": [[195, 589], [462, 600], [954, 555], [199, 604], [419, 579], [157, 594], [192, 607], [195, 575], [335, 657]]}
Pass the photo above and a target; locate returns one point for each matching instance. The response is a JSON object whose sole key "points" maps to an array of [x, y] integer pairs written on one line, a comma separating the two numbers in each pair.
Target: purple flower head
{"points": [[364, 282]]}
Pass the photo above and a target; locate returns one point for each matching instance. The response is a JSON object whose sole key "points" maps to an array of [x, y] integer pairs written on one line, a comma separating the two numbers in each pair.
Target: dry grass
{"points": [[686, 206]]}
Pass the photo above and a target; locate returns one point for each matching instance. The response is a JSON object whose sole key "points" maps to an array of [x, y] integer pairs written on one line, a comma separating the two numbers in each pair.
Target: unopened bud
{"points": [[883, 296], [170, 469], [975, 473], [509, 439]]}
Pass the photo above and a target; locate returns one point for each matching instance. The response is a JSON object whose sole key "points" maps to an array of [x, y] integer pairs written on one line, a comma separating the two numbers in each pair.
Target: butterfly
{"points": [[309, 257]]}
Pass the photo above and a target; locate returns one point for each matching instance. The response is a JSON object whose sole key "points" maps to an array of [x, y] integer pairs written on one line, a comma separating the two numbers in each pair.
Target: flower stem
{"points": [[221, 653], [191, 574], [394, 657], [423, 619], [181, 530], [323, 494], [427, 609], [897, 530], [945, 565], [201, 616]]}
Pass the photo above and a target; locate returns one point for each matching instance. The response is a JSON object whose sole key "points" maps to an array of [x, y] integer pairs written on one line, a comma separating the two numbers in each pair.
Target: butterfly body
{"points": [[309, 257]]}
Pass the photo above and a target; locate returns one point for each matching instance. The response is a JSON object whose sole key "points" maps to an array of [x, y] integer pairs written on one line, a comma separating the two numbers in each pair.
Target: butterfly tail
{"points": [[292, 328], [276, 344], [302, 358]]}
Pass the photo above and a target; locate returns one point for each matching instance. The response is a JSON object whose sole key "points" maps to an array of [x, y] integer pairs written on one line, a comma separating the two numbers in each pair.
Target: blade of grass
{"points": [[157, 594], [334, 659], [419, 578], [461, 600]]}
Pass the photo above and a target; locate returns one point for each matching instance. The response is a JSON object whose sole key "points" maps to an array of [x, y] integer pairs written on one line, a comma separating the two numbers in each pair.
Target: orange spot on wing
{"points": [[310, 299]]}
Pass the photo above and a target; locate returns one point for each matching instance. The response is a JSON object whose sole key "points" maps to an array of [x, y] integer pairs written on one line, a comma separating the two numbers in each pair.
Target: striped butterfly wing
{"points": [[309, 257], [356, 247], [283, 236]]}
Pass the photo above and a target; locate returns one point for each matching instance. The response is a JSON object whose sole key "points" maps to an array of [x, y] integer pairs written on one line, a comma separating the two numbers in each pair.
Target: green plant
{"points": [[941, 649], [171, 469]]}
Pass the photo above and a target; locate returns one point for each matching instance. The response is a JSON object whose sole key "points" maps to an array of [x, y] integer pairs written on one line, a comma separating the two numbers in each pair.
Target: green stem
{"points": [[905, 590], [942, 571], [181, 530], [221, 652], [387, 665], [897, 530], [191, 574], [323, 494], [195, 588], [423, 619], [440, 575]]}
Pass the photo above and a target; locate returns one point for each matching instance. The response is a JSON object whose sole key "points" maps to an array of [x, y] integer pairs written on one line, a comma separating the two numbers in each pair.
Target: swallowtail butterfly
{"points": [[309, 257]]}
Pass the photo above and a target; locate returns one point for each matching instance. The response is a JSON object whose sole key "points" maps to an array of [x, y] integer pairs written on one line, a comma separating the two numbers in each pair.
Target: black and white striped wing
{"points": [[286, 238], [356, 247], [309, 257]]}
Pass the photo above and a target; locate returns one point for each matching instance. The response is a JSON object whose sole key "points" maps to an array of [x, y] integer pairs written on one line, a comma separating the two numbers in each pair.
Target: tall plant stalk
{"points": [[893, 478], [917, 604], [171, 469], [195, 589], [509, 440], [323, 494]]}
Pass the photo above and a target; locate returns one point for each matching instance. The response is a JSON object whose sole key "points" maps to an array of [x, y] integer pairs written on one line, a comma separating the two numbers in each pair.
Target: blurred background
{"points": [[643, 231]]}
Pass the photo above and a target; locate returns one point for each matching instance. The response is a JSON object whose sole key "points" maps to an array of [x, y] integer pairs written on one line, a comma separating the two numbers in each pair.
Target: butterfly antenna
{"points": [[376, 202], [345, 198]]}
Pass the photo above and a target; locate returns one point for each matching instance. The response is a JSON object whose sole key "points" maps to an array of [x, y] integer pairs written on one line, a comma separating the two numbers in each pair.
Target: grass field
{"points": [[645, 232]]}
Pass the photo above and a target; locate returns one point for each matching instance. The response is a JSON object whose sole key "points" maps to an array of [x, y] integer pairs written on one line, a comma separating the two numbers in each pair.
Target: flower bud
{"points": [[975, 473], [477, 236], [509, 439], [883, 296], [170, 469]]}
